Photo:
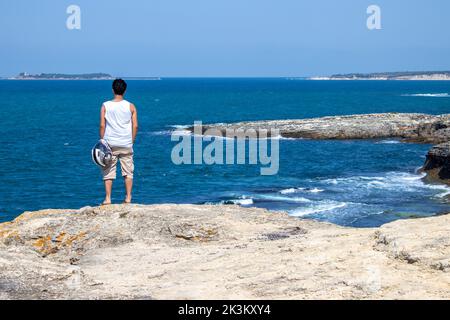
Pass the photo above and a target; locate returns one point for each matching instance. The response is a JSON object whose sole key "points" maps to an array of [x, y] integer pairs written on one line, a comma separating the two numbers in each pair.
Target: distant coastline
{"points": [[408, 75], [62, 76]]}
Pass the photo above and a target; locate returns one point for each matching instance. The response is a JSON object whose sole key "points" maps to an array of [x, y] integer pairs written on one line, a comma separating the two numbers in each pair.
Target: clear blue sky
{"points": [[223, 37]]}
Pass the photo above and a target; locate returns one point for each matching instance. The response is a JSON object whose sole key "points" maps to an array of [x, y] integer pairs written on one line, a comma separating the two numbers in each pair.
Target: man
{"points": [[118, 126]]}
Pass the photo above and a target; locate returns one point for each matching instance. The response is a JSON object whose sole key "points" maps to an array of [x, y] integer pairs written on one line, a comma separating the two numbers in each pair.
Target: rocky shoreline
{"points": [[408, 127], [413, 127], [218, 252], [229, 252]]}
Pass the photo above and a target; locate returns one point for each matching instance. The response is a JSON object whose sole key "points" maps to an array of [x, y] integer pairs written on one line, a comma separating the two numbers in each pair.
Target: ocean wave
{"points": [[280, 137], [180, 132], [428, 95], [317, 207], [445, 190], [177, 129], [289, 190], [247, 200], [180, 126], [295, 190], [266, 197], [242, 201], [160, 133], [394, 181], [344, 198], [388, 142]]}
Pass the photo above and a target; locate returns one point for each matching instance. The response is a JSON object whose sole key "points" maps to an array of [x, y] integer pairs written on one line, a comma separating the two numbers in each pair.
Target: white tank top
{"points": [[118, 132]]}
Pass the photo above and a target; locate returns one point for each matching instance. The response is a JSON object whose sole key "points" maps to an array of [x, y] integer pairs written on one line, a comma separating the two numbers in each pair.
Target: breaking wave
{"points": [[348, 200], [317, 207], [428, 95], [296, 190], [388, 142]]}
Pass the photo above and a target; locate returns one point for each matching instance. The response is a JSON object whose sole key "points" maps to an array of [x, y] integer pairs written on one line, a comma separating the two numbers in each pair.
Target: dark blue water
{"points": [[49, 127]]}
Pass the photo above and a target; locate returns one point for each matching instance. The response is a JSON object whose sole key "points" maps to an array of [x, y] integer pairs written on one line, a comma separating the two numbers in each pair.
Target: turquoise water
{"points": [[49, 127]]}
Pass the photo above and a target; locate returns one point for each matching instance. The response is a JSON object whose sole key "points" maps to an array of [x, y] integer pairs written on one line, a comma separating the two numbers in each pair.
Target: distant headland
{"points": [[62, 76], [407, 75]]}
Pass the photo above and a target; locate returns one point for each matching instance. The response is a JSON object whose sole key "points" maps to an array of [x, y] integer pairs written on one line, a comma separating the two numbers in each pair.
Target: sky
{"points": [[223, 38]]}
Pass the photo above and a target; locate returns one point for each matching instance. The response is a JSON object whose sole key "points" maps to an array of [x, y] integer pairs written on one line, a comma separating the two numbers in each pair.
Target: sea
{"points": [[49, 127]]}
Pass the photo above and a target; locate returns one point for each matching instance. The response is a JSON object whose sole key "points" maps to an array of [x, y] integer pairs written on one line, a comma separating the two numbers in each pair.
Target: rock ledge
{"points": [[414, 127], [217, 252]]}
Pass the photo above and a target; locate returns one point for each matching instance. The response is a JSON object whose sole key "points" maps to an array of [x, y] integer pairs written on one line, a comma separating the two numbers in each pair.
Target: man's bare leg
{"points": [[128, 188], [108, 189]]}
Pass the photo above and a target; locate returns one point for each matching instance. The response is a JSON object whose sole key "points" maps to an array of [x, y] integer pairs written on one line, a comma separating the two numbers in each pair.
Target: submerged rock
{"points": [[217, 252]]}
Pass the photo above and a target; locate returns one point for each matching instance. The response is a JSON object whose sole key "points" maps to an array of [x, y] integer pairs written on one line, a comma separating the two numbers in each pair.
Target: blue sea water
{"points": [[49, 127]]}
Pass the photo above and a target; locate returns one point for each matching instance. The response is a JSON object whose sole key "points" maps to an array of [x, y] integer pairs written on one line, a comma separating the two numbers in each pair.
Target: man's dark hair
{"points": [[119, 87]]}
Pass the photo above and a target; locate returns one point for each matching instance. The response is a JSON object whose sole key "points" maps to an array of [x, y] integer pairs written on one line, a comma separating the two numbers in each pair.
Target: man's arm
{"points": [[102, 122], [134, 119]]}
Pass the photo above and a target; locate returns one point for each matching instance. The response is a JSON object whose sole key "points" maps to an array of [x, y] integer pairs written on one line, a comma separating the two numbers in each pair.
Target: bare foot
{"points": [[107, 202], [127, 200]]}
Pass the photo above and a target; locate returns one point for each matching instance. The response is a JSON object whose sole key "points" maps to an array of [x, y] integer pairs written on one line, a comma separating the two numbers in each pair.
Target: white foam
{"points": [[161, 133], [440, 187], [428, 95], [407, 176], [288, 191], [315, 190], [295, 190], [317, 207], [281, 198], [443, 194], [180, 126], [180, 132], [332, 181], [395, 181], [388, 142], [280, 137], [243, 202]]}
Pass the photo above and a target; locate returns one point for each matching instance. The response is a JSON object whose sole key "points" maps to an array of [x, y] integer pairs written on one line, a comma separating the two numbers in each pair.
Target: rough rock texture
{"points": [[217, 252], [409, 126], [437, 164]]}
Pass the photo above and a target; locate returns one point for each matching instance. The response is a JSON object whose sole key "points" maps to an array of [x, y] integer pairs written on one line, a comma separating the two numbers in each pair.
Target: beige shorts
{"points": [[125, 156]]}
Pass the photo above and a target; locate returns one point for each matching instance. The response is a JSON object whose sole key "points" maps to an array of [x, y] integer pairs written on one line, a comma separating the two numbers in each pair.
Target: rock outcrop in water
{"points": [[437, 165], [412, 127], [217, 252], [409, 127]]}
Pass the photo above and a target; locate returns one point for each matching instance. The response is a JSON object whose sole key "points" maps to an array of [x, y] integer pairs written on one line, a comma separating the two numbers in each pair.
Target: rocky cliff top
{"points": [[217, 252]]}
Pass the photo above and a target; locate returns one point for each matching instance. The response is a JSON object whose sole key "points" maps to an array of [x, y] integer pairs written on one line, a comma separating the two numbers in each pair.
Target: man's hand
{"points": [[102, 122], [134, 120]]}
